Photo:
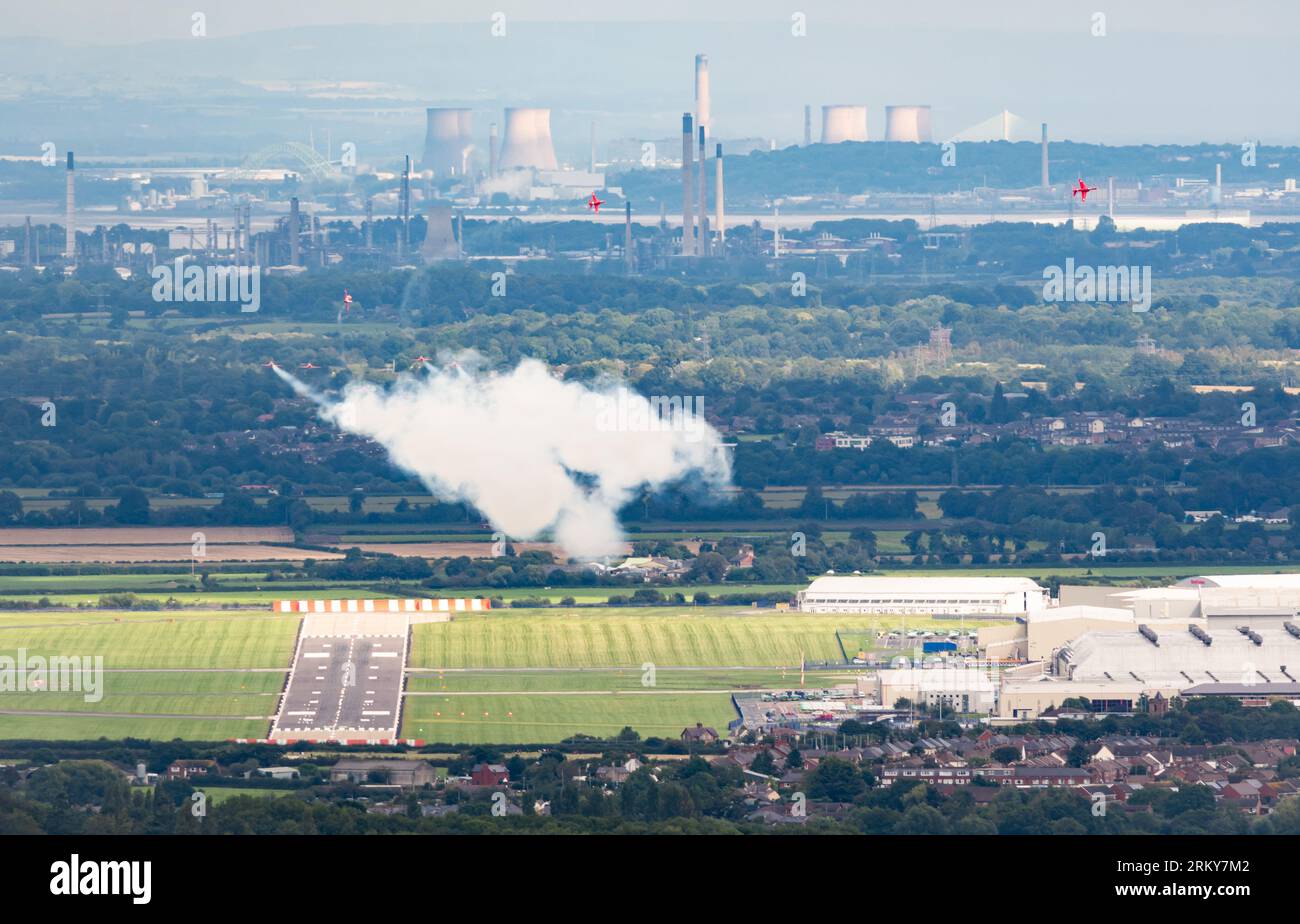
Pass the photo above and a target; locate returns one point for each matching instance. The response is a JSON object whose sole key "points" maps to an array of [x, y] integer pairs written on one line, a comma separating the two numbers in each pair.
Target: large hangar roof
{"points": [[910, 586], [1230, 657], [1244, 581]]}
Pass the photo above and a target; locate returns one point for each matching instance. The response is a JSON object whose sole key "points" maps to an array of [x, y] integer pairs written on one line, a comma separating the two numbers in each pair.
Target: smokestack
{"points": [[70, 220], [448, 140], [1110, 196], [844, 123], [720, 220], [404, 242], [703, 116], [1045, 180], [628, 258], [492, 149], [27, 243], [370, 222], [688, 208], [1217, 195], [907, 123], [293, 232], [702, 206], [807, 125], [528, 140]]}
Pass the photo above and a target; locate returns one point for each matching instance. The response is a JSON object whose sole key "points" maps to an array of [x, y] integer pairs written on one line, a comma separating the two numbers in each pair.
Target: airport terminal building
{"points": [[938, 596]]}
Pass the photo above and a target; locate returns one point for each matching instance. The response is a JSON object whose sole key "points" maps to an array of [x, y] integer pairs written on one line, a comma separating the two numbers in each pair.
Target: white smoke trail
{"points": [[535, 454]]}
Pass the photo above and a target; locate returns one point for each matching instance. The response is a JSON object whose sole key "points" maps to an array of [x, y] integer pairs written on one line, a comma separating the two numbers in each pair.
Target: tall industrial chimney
{"points": [[293, 232], [528, 140], [1045, 180], [807, 125], [703, 116], [70, 220], [907, 123], [628, 257], [844, 123], [492, 149], [702, 206], [720, 220], [1216, 195], [1110, 196], [370, 222], [688, 209], [27, 243], [448, 141], [404, 243]]}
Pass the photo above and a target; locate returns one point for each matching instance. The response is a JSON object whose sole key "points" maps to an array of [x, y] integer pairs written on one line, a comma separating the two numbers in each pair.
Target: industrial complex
{"points": [[1131, 650]]}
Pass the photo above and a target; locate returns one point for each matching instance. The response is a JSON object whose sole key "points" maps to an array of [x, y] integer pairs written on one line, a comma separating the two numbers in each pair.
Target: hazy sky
{"points": [[121, 21], [1166, 71]]}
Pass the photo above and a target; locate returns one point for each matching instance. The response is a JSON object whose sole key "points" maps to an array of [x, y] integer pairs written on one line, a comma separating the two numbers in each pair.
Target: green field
{"points": [[462, 683], [189, 639], [91, 726], [613, 637], [524, 719]]}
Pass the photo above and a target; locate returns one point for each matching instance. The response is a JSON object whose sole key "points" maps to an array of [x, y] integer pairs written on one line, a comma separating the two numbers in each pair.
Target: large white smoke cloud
{"points": [[535, 454]]}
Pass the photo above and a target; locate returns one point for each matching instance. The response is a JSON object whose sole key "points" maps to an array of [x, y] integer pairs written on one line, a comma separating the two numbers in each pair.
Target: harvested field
{"points": [[144, 535], [44, 554]]}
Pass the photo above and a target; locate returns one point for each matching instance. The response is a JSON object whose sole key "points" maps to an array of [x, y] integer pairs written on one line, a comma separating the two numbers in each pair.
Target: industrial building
{"points": [[1041, 633], [1233, 636], [953, 689], [937, 596]]}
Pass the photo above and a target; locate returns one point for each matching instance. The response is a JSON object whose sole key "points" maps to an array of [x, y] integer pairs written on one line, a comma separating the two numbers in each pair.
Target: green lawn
{"points": [[546, 718], [90, 726], [187, 639], [614, 637], [461, 683]]}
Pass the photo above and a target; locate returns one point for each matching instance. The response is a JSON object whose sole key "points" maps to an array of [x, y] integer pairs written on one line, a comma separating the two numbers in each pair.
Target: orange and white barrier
{"points": [[407, 605]]}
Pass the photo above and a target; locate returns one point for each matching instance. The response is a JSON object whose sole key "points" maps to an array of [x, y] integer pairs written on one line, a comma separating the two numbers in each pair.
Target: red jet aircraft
{"points": [[594, 204], [1082, 191]]}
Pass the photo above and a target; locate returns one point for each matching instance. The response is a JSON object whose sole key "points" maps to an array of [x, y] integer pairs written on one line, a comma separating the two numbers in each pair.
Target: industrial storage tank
{"points": [[907, 123], [844, 123], [527, 140], [448, 141]]}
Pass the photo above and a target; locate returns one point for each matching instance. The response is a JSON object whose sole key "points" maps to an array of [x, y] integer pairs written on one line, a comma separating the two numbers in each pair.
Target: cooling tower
{"points": [[844, 123], [528, 140], [440, 238], [448, 140], [907, 123]]}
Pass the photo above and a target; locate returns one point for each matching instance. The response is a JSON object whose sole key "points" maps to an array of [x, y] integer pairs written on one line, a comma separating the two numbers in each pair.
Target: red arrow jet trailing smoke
{"points": [[308, 365], [1082, 191], [594, 204], [270, 364]]}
